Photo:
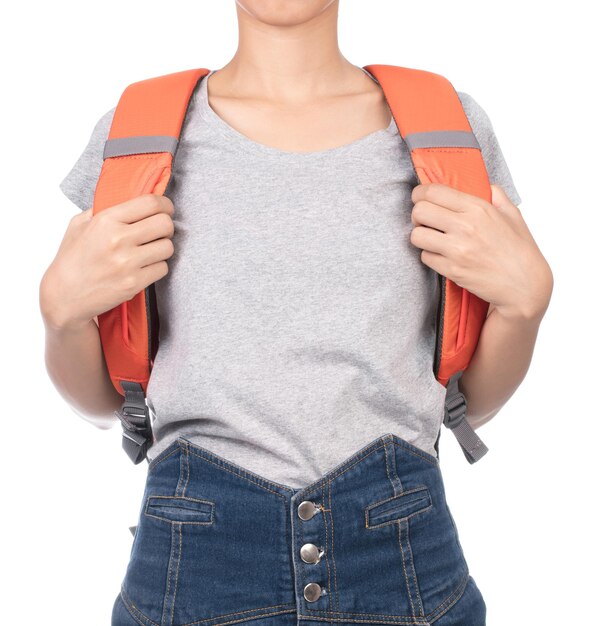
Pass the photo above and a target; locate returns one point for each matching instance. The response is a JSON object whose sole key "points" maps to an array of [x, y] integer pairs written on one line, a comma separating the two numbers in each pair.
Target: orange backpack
{"points": [[138, 159]]}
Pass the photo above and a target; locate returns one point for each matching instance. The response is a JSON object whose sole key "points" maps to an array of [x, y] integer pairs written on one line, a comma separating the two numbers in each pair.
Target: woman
{"points": [[294, 476]]}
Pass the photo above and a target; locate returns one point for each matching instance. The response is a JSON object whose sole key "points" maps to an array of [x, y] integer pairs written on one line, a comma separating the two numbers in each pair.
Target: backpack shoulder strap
{"points": [[433, 124], [138, 159]]}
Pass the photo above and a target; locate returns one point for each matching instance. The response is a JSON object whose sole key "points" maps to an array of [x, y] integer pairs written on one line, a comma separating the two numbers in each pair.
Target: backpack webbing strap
{"points": [[455, 418], [134, 416]]}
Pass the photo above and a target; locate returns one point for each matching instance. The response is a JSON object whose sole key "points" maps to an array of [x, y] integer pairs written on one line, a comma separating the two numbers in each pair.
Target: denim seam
{"points": [[404, 565], [176, 549], [330, 490], [403, 528], [412, 567], [203, 622], [390, 462], [353, 462], [314, 486], [159, 459], [227, 469], [135, 613], [330, 571], [348, 617], [166, 619], [450, 601]]}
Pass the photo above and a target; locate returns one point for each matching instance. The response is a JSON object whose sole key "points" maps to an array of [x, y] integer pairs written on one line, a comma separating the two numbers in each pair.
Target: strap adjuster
{"points": [[455, 410], [134, 415]]}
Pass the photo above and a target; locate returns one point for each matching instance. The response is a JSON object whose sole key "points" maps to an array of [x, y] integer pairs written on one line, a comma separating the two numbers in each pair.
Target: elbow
{"points": [[101, 421]]}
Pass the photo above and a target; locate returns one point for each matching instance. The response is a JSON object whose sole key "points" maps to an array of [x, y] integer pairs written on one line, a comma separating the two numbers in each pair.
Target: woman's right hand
{"points": [[106, 259]]}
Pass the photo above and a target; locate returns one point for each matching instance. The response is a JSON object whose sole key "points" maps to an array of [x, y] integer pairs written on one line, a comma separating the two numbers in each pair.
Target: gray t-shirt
{"points": [[297, 319]]}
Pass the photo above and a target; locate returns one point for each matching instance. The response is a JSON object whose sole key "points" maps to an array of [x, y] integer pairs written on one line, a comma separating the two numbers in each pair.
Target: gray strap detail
{"points": [[133, 530], [442, 139], [140, 144], [454, 418]]}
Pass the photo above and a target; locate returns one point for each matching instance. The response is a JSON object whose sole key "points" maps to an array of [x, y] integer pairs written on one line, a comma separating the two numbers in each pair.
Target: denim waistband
{"points": [[239, 471], [370, 541]]}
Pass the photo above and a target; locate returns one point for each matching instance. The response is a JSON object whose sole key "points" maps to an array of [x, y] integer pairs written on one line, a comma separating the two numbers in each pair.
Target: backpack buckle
{"points": [[455, 410], [134, 415]]}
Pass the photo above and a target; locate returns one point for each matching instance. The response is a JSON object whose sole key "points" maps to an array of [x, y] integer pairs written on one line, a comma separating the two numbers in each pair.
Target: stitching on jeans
{"points": [[177, 573], [314, 486], [399, 519], [412, 564], [227, 469], [391, 462], [133, 609], [450, 601], [330, 489], [184, 478], [403, 619], [327, 566], [348, 617], [130, 606], [164, 620], [240, 619], [410, 596], [172, 521], [176, 531], [261, 608], [157, 460]]}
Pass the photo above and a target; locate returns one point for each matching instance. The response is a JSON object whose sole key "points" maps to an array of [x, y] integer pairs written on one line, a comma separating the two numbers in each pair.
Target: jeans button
{"points": [[309, 553], [306, 510], [312, 592]]}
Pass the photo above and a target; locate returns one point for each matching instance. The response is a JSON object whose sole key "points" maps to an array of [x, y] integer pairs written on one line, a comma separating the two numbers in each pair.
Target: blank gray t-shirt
{"points": [[297, 319]]}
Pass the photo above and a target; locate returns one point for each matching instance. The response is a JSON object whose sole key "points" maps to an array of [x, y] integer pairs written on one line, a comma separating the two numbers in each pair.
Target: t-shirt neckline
{"points": [[239, 139]]}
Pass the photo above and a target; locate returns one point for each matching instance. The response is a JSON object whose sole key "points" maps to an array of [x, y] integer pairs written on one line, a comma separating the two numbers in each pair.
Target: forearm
{"points": [[499, 363], [75, 363]]}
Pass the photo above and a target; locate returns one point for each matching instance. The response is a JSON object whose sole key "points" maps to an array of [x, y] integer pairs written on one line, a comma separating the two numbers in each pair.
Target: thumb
{"points": [[499, 199]]}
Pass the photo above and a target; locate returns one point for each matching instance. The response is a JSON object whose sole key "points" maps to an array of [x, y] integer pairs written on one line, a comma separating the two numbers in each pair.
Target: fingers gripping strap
{"points": [[138, 159], [455, 419], [443, 149]]}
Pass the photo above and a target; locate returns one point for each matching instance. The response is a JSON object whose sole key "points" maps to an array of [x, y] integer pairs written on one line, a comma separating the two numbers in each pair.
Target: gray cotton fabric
{"points": [[297, 319]]}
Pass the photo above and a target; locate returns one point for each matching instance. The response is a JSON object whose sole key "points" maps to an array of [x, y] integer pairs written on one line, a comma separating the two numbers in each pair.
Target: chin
{"points": [[284, 12]]}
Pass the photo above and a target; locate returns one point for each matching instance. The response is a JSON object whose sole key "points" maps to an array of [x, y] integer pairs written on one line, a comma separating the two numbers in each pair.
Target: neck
{"points": [[292, 64]]}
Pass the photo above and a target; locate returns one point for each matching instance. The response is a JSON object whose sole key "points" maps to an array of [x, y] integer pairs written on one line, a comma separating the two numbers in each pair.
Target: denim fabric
{"points": [[218, 544]]}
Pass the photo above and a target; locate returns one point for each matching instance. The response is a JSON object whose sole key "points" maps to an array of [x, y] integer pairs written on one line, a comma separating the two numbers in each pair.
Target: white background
{"points": [[69, 492]]}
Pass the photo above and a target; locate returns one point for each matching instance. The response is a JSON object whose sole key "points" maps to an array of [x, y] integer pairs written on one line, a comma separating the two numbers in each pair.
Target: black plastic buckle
{"points": [[134, 416]]}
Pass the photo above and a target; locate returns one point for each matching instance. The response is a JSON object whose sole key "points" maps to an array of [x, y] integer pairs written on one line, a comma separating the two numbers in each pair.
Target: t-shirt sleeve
{"points": [[80, 182], [495, 163]]}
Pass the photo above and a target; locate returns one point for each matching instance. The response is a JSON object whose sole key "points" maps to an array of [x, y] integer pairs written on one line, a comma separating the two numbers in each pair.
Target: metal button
{"points": [[309, 553], [312, 592], [306, 509]]}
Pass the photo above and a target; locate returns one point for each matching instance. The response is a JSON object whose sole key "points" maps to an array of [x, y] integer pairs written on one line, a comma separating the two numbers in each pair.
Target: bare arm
{"points": [[500, 363], [75, 363], [103, 260]]}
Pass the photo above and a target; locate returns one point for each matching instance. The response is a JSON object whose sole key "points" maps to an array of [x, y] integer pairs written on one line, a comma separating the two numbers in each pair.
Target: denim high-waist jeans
{"points": [[370, 542]]}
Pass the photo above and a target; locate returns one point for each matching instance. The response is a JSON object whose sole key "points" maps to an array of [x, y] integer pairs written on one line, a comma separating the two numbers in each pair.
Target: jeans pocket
{"points": [[399, 507], [180, 509]]}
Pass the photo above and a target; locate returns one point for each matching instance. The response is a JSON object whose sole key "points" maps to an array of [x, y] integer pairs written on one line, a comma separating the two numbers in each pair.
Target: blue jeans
{"points": [[370, 542]]}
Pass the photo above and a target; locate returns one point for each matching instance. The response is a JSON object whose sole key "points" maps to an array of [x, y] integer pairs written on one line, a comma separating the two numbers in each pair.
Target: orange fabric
{"points": [[420, 101], [154, 106]]}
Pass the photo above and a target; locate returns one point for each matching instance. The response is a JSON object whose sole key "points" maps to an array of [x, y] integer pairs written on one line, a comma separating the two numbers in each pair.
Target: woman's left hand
{"points": [[482, 247]]}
